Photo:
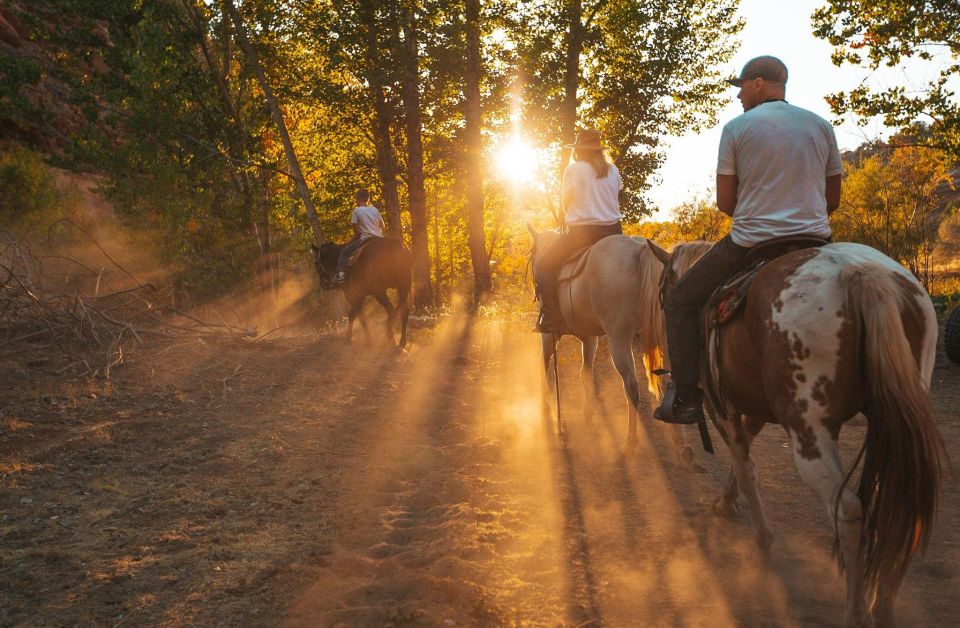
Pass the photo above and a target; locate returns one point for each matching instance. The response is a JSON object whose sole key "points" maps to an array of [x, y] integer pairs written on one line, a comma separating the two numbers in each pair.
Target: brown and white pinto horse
{"points": [[827, 333]]}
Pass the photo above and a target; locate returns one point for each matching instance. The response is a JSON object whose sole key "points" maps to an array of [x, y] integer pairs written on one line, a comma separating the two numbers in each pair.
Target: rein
{"points": [[320, 265]]}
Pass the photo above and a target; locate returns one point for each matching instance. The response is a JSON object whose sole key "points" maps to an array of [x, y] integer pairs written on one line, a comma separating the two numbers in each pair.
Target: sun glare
{"points": [[517, 161]]}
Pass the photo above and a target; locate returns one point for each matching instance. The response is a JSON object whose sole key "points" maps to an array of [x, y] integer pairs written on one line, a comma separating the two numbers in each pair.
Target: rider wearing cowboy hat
{"points": [[590, 199], [778, 175]]}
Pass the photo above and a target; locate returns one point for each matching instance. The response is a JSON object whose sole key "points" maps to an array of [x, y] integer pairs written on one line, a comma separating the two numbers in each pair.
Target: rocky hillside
{"points": [[38, 103]]}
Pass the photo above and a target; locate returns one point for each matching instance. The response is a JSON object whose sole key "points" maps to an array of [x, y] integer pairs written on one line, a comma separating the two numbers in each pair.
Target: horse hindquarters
{"points": [[904, 450]]}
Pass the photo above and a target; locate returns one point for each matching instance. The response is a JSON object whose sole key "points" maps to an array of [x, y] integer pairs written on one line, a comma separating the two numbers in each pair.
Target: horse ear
{"points": [[662, 255], [532, 231]]}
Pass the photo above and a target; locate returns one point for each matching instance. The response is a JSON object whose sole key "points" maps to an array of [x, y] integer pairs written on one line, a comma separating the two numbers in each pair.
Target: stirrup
{"points": [[541, 328]]}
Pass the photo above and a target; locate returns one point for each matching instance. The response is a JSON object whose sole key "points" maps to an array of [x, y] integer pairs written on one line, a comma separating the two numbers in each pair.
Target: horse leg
{"points": [[356, 309], [547, 351], [382, 299], [362, 317], [819, 464], [587, 376], [738, 432], [403, 311], [621, 351]]}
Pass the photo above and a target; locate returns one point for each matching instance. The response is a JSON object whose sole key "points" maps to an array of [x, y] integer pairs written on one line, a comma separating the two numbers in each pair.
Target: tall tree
{"points": [[637, 70], [571, 76], [872, 33], [474, 143], [254, 60], [383, 117], [416, 191]]}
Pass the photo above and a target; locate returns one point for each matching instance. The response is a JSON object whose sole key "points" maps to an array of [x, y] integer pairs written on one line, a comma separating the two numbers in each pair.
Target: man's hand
{"points": [[727, 193], [833, 193]]}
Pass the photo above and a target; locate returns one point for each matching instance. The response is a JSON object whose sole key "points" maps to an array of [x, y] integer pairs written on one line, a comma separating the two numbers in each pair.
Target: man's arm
{"points": [[833, 193], [727, 193]]}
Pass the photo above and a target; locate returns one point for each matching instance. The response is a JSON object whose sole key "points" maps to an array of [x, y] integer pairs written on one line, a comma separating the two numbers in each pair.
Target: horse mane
{"points": [[652, 337], [685, 254]]}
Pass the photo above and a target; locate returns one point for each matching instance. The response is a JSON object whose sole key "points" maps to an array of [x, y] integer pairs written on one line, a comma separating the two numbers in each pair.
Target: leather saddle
{"points": [[728, 300], [356, 254], [575, 264]]}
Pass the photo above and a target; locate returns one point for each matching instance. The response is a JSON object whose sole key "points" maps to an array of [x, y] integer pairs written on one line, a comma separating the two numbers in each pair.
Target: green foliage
{"points": [[174, 119], [16, 74], [649, 69], [27, 190], [872, 33]]}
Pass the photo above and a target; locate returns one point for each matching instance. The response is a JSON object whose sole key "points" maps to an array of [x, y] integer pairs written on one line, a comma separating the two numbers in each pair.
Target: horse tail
{"points": [[904, 450], [652, 337]]}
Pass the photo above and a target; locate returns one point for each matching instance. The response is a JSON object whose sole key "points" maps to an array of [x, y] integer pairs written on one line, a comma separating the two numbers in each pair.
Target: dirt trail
{"points": [[308, 482]]}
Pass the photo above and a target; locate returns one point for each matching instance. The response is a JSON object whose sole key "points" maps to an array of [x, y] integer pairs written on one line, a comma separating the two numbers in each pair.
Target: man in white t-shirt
{"points": [[367, 223], [778, 174]]}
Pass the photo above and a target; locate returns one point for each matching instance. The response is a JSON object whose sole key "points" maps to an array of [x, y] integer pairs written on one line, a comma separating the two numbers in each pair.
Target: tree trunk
{"points": [[386, 159], [438, 267], [415, 185], [571, 81], [475, 222], [294, 163]]}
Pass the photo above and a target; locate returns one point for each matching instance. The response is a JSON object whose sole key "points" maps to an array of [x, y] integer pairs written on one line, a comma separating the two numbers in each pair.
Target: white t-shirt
{"points": [[781, 155], [593, 201], [368, 221]]}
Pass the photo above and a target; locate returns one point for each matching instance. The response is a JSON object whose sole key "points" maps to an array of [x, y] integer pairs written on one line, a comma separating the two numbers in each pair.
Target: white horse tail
{"points": [[652, 335], [904, 450]]}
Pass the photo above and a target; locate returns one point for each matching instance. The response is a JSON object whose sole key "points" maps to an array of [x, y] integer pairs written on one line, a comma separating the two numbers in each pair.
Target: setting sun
{"points": [[517, 161]]}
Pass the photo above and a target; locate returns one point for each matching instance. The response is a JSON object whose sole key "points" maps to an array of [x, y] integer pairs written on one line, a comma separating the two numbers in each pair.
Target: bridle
{"points": [[325, 273], [668, 277]]}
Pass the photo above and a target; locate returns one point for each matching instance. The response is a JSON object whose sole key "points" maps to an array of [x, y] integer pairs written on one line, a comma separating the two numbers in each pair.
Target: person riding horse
{"points": [[778, 175], [367, 223], [590, 197]]}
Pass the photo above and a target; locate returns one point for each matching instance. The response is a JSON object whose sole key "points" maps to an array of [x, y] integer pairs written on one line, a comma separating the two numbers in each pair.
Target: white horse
{"points": [[615, 295]]}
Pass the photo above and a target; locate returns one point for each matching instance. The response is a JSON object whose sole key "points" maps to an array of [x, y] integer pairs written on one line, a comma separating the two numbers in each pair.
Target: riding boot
{"points": [[550, 321], [682, 405]]}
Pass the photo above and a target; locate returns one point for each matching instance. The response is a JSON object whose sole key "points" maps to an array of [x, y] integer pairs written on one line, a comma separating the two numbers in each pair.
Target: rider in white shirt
{"points": [[590, 194], [778, 174], [367, 223]]}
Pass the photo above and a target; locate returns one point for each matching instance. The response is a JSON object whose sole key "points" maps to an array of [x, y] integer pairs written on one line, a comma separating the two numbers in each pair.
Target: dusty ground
{"points": [[304, 481]]}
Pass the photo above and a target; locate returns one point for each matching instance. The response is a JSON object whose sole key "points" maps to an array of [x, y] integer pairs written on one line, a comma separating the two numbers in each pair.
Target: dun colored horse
{"points": [[615, 295], [384, 263], [827, 333]]}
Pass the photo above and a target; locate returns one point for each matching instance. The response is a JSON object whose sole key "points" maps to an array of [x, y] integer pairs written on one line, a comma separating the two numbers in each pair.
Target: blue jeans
{"points": [[683, 303], [346, 252]]}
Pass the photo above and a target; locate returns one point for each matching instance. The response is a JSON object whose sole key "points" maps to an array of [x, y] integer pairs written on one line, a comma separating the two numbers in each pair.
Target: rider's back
{"points": [[781, 155]]}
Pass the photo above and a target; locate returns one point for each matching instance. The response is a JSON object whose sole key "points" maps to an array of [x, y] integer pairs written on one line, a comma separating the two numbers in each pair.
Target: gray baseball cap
{"points": [[766, 67]]}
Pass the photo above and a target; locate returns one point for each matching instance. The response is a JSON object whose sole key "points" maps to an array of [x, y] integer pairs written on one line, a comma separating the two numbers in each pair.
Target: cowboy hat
{"points": [[587, 139]]}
